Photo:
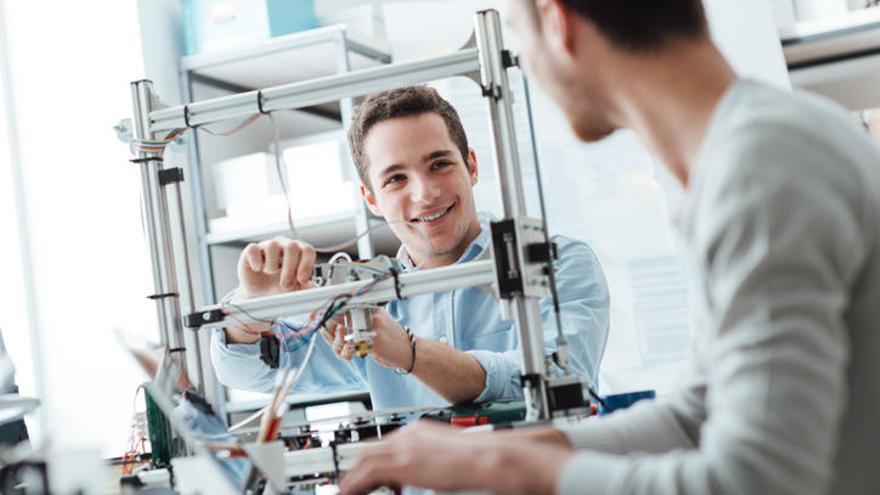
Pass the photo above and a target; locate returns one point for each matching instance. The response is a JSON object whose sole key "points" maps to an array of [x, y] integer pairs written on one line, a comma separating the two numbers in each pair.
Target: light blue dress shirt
{"points": [[467, 319]]}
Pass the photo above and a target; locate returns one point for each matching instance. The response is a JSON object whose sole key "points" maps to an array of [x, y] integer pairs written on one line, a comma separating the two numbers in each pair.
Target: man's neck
{"points": [[669, 101]]}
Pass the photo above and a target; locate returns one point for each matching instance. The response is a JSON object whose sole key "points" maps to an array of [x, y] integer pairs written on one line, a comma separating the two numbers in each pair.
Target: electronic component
{"points": [[341, 269]]}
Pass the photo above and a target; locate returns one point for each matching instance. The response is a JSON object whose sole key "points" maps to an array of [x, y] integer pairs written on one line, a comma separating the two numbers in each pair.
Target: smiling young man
{"points": [[782, 220], [418, 172]]}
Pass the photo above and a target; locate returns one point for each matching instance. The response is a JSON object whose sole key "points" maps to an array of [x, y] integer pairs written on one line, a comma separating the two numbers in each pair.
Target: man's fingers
{"points": [[369, 474], [347, 351], [273, 251], [290, 264], [327, 337], [339, 340], [253, 257], [306, 264]]}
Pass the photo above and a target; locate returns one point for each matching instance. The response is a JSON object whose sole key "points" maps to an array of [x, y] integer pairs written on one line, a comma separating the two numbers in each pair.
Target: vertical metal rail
{"points": [[158, 228], [214, 392], [524, 310], [346, 110]]}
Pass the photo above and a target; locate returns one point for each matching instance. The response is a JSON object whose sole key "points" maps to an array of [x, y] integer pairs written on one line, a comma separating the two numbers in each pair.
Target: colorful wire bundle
{"points": [[156, 145], [294, 338]]}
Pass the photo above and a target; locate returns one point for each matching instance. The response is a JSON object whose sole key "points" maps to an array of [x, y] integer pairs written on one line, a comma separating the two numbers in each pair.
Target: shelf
{"points": [[830, 40], [323, 231], [838, 58], [284, 59]]}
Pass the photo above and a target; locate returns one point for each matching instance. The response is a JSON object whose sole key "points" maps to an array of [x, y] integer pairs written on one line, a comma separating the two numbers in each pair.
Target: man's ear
{"points": [[557, 24], [370, 199], [473, 171]]}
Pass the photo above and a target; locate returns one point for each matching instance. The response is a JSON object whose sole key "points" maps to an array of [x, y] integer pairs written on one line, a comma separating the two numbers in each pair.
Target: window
{"points": [[90, 274]]}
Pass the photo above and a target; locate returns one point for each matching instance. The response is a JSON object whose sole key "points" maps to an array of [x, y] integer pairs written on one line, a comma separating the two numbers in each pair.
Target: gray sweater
{"points": [[782, 219]]}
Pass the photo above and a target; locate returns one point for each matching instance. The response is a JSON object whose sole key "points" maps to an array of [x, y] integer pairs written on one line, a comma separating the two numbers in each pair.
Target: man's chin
{"points": [[591, 133]]}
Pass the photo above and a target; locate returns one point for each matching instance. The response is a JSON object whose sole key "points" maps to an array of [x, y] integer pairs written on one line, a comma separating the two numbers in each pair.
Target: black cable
{"points": [[252, 317], [550, 273]]}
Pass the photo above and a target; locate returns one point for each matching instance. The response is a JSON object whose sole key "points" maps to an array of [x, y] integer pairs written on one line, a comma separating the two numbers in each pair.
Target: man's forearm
{"points": [[454, 375], [541, 434], [241, 334]]}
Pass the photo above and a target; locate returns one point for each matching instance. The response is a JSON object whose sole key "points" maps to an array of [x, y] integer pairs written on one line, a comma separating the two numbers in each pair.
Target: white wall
{"points": [[70, 69]]}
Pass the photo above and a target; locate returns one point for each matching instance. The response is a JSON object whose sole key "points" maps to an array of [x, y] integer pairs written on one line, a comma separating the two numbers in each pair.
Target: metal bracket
{"points": [[508, 59], [170, 176], [565, 395], [521, 272], [542, 252], [506, 258], [196, 320]]}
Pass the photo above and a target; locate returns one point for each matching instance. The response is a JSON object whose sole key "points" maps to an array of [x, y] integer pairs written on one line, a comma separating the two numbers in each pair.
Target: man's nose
{"points": [[424, 190]]}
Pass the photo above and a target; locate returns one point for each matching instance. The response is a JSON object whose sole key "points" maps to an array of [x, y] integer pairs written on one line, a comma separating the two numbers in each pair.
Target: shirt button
{"points": [[442, 340]]}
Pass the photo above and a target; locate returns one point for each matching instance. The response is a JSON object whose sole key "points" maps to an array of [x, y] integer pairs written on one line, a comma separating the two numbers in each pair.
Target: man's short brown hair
{"points": [[404, 102], [642, 25]]}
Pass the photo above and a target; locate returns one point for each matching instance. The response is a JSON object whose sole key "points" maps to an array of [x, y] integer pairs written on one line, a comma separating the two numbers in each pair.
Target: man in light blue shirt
{"points": [[418, 173]]}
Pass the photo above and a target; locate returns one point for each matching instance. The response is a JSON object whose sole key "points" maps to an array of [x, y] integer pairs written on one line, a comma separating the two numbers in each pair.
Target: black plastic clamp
{"points": [[260, 103], [395, 273], [533, 379], [492, 91], [196, 320], [542, 252], [163, 296], [170, 176], [186, 115], [510, 280], [146, 159], [508, 59], [270, 351]]}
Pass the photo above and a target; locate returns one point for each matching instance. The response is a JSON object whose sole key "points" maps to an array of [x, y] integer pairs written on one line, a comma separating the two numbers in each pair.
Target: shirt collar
{"points": [[474, 250]]}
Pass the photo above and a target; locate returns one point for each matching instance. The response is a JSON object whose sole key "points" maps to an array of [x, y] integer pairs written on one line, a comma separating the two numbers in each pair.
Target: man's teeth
{"points": [[435, 216]]}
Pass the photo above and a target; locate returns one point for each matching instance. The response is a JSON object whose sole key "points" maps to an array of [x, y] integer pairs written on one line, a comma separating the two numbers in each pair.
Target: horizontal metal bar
{"points": [[320, 461], [309, 462], [472, 274], [316, 91]]}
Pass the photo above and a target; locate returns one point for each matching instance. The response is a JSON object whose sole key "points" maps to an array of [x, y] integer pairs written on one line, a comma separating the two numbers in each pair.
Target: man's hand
{"points": [[274, 267], [266, 268], [391, 346], [439, 457]]}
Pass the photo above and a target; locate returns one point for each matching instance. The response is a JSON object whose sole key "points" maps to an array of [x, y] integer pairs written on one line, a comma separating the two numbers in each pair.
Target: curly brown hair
{"points": [[403, 102]]}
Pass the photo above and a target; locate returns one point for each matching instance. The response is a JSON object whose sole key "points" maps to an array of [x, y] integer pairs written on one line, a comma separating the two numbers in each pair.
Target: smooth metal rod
{"points": [[471, 274], [524, 310], [496, 86], [157, 225], [315, 91]]}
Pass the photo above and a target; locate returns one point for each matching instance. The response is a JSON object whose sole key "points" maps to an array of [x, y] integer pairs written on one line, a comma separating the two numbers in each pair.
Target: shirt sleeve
{"points": [[239, 366], [584, 308], [778, 256]]}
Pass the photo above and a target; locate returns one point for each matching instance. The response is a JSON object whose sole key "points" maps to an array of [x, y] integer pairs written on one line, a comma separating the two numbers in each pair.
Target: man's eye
{"points": [[394, 179], [440, 164]]}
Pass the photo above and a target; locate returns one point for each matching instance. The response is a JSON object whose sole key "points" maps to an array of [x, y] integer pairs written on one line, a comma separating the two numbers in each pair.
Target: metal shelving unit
{"points": [[322, 52], [302, 56], [839, 57]]}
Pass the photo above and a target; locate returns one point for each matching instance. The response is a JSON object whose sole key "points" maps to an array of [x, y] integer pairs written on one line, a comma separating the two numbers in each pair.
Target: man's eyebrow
{"points": [[437, 154], [395, 167], [391, 169]]}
